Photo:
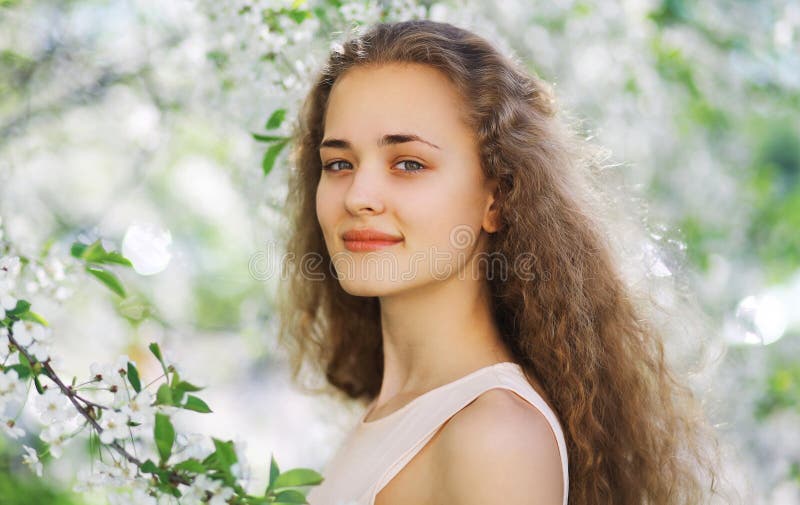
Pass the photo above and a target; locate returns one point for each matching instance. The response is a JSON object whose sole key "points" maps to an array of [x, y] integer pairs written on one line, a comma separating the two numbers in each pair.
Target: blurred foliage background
{"points": [[133, 120]]}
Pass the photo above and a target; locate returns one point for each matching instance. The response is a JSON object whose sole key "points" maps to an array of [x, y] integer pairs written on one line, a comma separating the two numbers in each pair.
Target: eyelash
{"points": [[414, 172]]}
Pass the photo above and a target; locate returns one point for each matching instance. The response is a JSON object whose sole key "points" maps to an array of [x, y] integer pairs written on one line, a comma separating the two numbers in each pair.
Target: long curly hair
{"points": [[635, 434]]}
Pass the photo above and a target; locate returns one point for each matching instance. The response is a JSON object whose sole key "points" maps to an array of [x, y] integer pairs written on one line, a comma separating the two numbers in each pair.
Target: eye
{"points": [[420, 166], [331, 164], [415, 166]]}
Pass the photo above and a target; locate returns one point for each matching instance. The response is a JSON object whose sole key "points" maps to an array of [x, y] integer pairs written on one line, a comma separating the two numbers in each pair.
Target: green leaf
{"points": [[299, 15], [77, 249], [275, 119], [164, 395], [149, 467], [133, 377], [177, 397], [117, 258], [164, 436], [156, 351], [298, 477], [274, 471], [222, 458], [191, 465], [24, 361], [188, 387], [196, 404], [21, 308], [169, 488], [38, 385], [290, 496], [271, 155], [33, 316], [23, 371], [96, 253], [226, 452], [107, 278], [267, 138]]}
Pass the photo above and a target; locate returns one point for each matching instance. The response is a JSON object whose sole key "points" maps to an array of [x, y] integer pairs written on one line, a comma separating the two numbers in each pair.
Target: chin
{"points": [[367, 287]]}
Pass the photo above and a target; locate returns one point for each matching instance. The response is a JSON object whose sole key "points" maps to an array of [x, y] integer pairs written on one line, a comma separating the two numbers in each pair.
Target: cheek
{"points": [[443, 216], [325, 206]]}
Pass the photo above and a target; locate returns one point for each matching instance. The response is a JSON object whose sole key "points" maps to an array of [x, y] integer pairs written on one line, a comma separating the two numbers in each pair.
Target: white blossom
{"points": [[7, 303], [25, 332], [203, 484], [114, 425], [55, 436], [120, 472], [40, 351], [11, 388], [241, 469], [140, 409], [110, 376], [192, 445], [8, 357], [11, 429], [54, 407], [136, 496], [88, 480], [32, 460], [9, 269]]}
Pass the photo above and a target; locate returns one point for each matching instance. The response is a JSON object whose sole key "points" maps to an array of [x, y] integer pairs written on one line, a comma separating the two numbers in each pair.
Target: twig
{"points": [[73, 397]]}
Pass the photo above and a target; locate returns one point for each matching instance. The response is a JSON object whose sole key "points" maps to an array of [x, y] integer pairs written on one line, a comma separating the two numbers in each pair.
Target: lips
{"points": [[369, 239], [370, 235]]}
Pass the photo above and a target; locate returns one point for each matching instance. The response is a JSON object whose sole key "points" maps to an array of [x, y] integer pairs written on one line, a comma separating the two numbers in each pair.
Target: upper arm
{"points": [[498, 449]]}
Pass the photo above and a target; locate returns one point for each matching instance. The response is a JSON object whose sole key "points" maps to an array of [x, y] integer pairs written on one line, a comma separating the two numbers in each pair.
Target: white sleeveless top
{"points": [[374, 452]]}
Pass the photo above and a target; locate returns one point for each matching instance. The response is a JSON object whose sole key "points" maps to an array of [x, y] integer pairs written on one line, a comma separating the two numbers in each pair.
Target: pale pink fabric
{"points": [[374, 452]]}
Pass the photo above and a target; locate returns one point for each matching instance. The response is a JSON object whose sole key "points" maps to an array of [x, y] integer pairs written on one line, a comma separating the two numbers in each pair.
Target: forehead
{"points": [[395, 96]]}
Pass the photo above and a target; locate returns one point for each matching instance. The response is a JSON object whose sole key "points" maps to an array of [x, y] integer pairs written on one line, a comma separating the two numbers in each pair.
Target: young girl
{"points": [[451, 272]]}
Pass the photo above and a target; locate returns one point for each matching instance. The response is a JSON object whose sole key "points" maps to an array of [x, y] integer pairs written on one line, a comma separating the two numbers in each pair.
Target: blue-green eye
{"points": [[415, 163], [420, 167], [329, 165]]}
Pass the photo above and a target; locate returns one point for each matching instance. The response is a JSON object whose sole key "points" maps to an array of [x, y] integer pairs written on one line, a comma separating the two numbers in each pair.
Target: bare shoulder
{"points": [[498, 447]]}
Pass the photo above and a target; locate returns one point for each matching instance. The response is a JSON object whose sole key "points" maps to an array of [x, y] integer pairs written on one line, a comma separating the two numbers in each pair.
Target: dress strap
{"points": [[417, 422]]}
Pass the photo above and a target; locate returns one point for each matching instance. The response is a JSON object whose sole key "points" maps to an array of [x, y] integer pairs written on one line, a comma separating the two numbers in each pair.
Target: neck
{"points": [[435, 334]]}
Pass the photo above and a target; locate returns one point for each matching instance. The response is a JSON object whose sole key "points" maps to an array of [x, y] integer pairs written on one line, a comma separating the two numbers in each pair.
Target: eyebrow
{"points": [[386, 140]]}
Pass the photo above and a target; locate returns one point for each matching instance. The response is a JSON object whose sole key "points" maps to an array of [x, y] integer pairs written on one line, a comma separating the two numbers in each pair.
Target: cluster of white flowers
{"points": [[64, 411], [49, 275], [120, 482], [129, 417]]}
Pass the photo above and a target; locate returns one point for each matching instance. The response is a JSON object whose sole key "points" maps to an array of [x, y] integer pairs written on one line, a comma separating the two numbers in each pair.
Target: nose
{"points": [[363, 195]]}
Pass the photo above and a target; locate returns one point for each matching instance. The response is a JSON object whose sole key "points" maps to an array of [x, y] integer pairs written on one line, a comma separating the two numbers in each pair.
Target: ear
{"points": [[491, 214]]}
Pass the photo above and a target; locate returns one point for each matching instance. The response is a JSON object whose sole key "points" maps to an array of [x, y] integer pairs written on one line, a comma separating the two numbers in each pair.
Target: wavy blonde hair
{"points": [[634, 433]]}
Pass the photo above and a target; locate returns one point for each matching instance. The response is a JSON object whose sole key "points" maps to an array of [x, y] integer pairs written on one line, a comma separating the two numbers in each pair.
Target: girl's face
{"points": [[397, 158]]}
